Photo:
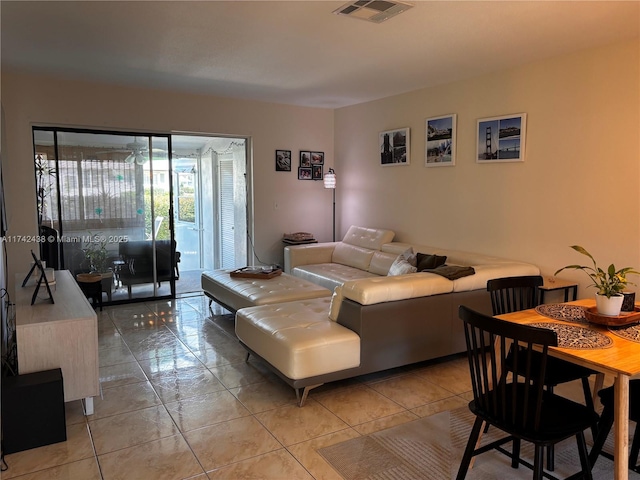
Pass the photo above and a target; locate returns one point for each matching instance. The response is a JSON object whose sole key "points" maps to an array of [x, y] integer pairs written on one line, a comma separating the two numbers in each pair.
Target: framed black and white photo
{"points": [[305, 158], [440, 135], [394, 147], [304, 173], [501, 139], [283, 160], [316, 172]]}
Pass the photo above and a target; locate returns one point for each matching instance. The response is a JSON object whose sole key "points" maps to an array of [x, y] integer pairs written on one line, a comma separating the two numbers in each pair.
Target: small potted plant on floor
{"points": [[610, 283]]}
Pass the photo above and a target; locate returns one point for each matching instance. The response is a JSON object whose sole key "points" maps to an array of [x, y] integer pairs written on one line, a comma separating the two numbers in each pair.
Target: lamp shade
{"points": [[330, 179]]}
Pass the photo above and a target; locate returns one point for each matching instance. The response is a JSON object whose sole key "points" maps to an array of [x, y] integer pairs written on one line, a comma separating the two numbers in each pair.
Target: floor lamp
{"points": [[330, 182]]}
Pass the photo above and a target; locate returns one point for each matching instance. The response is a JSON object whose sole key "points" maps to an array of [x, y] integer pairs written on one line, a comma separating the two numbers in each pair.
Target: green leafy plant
{"points": [[97, 254], [610, 282]]}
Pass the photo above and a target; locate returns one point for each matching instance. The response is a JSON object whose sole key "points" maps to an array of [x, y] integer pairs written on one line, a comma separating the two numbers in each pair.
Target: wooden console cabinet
{"points": [[63, 334]]}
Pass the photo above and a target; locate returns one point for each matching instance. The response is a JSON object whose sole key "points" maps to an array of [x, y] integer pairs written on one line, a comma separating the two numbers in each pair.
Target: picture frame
{"points": [[305, 158], [440, 141], [316, 172], [37, 265], [283, 160], [317, 158], [305, 173], [501, 139], [395, 147]]}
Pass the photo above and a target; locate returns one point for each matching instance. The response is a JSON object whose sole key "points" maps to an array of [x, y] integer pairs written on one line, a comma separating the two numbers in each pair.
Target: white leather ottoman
{"points": [[298, 339], [237, 293]]}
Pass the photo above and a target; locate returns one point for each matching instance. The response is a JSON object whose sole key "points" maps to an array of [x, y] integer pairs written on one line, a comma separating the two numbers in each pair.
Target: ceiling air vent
{"points": [[376, 11]]}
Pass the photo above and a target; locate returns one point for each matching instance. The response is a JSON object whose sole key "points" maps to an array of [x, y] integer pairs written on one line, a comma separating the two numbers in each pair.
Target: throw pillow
{"points": [[400, 266], [409, 256], [428, 261]]}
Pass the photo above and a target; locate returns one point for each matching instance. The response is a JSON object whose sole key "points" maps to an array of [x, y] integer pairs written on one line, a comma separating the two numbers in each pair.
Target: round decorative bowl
{"points": [[625, 318]]}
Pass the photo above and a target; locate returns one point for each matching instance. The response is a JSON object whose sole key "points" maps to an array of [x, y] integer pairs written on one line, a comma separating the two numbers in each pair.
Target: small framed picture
{"points": [[440, 141], [305, 173], [501, 139], [305, 159], [394, 147], [283, 160], [316, 172], [317, 158]]}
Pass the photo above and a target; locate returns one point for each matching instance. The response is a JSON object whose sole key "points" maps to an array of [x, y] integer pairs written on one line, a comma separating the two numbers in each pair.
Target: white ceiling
{"points": [[298, 52]]}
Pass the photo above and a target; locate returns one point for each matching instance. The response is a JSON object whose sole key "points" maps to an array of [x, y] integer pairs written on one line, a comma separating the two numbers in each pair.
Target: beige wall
{"points": [[579, 184], [302, 205]]}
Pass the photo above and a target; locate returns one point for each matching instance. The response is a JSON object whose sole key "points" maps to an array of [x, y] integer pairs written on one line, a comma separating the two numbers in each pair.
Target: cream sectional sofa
{"points": [[373, 321]]}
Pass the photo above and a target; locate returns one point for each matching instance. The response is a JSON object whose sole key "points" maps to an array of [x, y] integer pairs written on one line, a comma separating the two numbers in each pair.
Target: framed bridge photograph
{"points": [[501, 139]]}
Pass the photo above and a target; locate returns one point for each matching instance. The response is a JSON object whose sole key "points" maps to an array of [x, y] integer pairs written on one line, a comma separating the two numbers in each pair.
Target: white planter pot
{"points": [[609, 306]]}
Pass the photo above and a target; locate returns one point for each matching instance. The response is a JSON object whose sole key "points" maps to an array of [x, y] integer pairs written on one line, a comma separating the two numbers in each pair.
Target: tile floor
{"points": [[180, 402]]}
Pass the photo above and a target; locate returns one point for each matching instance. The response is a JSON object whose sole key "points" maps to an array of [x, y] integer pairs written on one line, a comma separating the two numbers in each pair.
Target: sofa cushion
{"points": [[352, 256], [381, 262], [484, 273], [298, 339], [330, 275], [369, 291], [427, 261], [238, 293], [371, 238]]}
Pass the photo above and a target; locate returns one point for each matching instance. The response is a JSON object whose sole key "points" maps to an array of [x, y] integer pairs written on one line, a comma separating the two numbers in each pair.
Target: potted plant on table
{"points": [[98, 257], [610, 283]]}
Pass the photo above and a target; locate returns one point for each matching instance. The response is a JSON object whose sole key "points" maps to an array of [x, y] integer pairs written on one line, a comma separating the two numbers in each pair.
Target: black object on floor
{"points": [[33, 411]]}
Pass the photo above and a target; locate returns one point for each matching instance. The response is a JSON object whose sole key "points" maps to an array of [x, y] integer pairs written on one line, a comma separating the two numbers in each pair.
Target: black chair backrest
{"points": [[512, 401], [512, 294]]}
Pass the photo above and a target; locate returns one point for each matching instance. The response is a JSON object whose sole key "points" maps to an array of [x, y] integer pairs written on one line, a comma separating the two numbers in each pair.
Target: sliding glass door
{"points": [[148, 212], [106, 199]]}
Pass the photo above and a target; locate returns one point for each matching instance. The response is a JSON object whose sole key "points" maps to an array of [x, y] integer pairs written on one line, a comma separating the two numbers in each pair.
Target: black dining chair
{"points": [[513, 294], [606, 422], [518, 405]]}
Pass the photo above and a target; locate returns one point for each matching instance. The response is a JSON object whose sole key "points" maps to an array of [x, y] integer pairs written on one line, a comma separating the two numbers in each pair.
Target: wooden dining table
{"points": [[620, 359]]}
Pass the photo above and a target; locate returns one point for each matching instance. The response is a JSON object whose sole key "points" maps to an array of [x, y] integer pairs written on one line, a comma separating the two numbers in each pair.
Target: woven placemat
{"points": [[630, 332], [579, 338], [563, 311]]}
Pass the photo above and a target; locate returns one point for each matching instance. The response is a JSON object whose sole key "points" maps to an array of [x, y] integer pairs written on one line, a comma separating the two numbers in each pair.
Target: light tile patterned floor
{"points": [[180, 402]]}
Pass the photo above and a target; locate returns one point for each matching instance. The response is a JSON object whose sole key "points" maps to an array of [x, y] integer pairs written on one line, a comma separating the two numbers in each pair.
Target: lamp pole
{"points": [[330, 182]]}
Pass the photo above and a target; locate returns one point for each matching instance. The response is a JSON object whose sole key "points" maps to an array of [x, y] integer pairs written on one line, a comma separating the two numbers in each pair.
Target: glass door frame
{"points": [[61, 234]]}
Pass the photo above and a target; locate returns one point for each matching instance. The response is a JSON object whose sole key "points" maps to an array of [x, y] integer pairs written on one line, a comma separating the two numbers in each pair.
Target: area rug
{"points": [[431, 448]]}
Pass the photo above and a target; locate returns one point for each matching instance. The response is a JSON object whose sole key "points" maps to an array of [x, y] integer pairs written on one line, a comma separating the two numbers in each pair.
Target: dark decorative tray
{"points": [[255, 272], [625, 318]]}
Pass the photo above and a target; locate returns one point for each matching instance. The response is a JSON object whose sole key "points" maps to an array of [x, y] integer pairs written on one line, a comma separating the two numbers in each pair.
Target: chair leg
{"points": [[515, 454], [604, 427], [468, 451], [584, 456], [635, 448], [538, 460], [550, 448], [588, 398]]}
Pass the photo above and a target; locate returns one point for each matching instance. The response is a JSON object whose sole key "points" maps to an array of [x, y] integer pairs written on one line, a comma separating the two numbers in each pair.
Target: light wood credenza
{"points": [[63, 334]]}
